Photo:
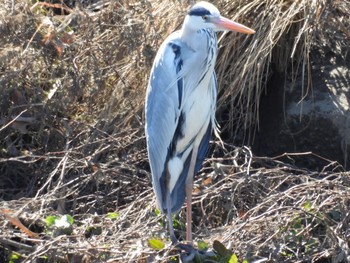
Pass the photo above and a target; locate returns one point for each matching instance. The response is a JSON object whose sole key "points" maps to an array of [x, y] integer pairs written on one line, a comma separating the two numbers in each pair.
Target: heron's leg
{"points": [[174, 240], [189, 189]]}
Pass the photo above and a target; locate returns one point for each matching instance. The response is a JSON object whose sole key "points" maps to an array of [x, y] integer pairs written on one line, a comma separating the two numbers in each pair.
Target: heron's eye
{"points": [[205, 18]]}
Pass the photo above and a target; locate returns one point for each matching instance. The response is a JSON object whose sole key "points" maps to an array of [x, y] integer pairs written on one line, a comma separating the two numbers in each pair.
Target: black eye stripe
{"points": [[198, 11]]}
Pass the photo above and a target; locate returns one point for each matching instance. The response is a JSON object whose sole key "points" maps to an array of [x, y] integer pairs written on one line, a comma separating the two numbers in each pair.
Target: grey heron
{"points": [[180, 107]]}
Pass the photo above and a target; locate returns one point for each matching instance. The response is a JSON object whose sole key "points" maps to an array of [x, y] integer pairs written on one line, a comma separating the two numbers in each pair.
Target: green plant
{"points": [[59, 225], [14, 257], [156, 244]]}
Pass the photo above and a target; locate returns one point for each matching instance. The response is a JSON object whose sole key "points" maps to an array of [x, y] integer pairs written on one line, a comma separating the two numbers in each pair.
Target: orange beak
{"points": [[226, 24]]}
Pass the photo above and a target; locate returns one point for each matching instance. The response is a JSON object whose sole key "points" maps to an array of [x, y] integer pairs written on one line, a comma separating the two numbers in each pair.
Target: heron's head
{"points": [[204, 15]]}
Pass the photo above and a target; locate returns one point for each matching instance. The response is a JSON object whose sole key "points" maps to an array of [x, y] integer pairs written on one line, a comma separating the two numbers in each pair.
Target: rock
{"points": [[296, 118]]}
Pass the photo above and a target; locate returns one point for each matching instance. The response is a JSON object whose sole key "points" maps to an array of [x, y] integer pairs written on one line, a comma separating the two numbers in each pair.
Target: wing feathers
{"points": [[169, 90], [163, 104]]}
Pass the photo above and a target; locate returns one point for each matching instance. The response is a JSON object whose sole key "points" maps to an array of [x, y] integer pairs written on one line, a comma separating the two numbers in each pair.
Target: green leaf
{"points": [[157, 212], [70, 219], [161, 222], [233, 259], [307, 205], [50, 220], [156, 244], [93, 230], [202, 245], [14, 257], [113, 215], [221, 249], [245, 261], [177, 224]]}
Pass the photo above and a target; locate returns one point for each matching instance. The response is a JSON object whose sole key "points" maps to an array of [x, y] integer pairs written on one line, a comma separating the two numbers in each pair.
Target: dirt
{"points": [[297, 118]]}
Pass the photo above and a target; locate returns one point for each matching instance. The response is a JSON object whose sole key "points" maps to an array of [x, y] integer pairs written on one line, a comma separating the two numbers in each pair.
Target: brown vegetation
{"points": [[73, 79]]}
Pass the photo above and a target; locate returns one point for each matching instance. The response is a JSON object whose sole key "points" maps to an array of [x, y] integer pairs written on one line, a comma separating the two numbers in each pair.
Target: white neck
{"points": [[188, 36]]}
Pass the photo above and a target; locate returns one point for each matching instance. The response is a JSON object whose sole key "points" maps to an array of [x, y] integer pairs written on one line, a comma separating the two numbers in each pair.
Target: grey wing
{"points": [[163, 101]]}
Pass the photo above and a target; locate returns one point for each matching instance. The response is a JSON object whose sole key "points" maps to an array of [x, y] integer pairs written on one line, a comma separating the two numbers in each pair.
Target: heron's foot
{"points": [[187, 252], [187, 248], [174, 240], [190, 254]]}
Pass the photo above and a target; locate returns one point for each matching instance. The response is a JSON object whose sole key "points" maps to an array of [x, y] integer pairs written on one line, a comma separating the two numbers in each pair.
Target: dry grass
{"points": [[71, 128], [287, 31], [261, 208]]}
